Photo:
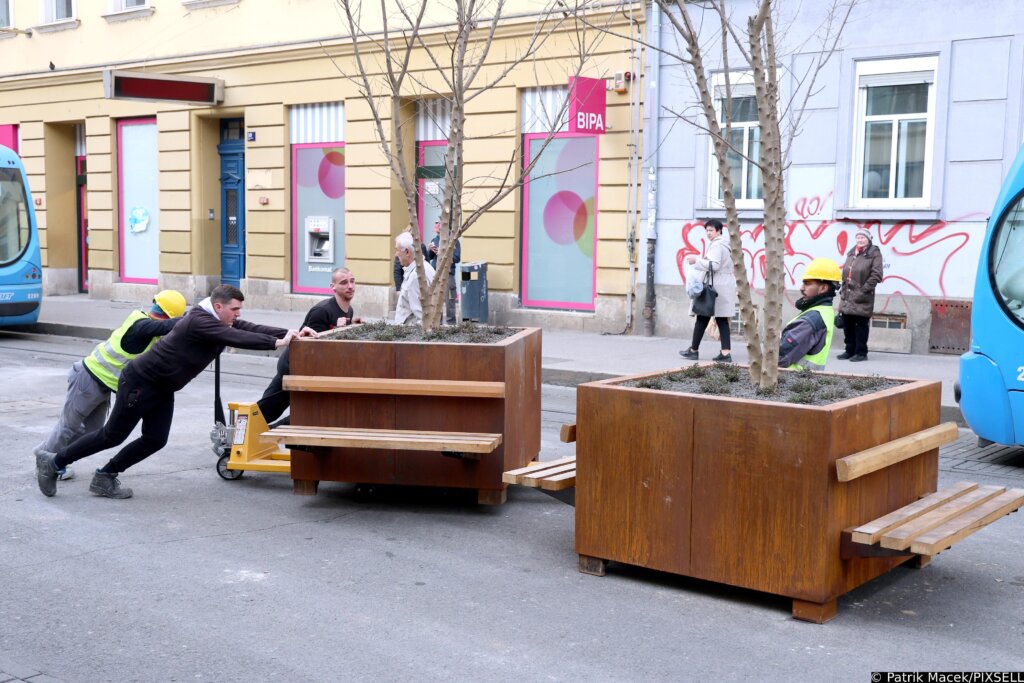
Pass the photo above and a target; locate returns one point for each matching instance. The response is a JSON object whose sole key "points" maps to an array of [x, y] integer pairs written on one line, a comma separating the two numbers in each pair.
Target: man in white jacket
{"points": [[410, 305]]}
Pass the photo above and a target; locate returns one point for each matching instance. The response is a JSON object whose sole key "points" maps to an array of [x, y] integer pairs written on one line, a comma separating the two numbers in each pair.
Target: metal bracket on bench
{"points": [[460, 455], [848, 549]]}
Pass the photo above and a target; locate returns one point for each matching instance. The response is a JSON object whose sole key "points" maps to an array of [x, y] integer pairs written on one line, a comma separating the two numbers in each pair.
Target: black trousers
{"points": [[137, 400], [855, 334], [702, 326], [275, 399]]}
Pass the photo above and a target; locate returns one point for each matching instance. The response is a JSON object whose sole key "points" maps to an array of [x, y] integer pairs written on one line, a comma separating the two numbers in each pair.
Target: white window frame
{"points": [[49, 11], [118, 10], [893, 72], [10, 15], [50, 22], [741, 84]]}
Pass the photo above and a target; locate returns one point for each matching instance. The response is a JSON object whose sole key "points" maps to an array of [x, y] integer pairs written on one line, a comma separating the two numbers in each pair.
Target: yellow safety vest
{"points": [[108, 359], [817, 360]]}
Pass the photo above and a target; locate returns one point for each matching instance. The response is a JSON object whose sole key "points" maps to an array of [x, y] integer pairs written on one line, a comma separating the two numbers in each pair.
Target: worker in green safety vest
{"points": [[807, 338], [92, 379]]}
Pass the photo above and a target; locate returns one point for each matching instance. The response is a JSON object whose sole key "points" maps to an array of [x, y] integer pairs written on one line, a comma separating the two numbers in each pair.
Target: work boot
{"points": [[108, 485], [62, 475], [46, 474]]}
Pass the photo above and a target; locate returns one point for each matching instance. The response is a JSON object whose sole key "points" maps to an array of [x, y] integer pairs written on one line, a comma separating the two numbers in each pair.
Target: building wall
{"points": [[289, 57], [930, 252]]}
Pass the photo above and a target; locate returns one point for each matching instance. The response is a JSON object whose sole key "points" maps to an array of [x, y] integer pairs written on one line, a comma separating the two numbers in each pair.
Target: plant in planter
{"points": [[388, 410]]}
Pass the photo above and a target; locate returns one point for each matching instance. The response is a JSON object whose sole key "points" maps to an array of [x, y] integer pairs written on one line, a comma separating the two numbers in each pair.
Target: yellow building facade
{"points": [[284, 178]]}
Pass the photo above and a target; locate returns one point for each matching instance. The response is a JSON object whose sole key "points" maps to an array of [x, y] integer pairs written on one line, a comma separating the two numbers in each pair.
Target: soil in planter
{"points": [[726, 379], [464, 333]]}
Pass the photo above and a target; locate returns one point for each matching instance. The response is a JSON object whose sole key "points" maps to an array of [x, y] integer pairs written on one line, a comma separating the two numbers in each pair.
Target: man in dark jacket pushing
{"points": [[146, 387]]}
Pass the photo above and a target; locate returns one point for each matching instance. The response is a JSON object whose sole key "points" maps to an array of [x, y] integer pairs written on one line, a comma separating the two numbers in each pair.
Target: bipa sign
{"points": [[587, 105]]}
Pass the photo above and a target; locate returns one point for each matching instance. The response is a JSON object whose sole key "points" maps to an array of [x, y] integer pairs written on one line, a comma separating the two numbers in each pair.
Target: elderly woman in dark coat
{"points": [[861, 274]]}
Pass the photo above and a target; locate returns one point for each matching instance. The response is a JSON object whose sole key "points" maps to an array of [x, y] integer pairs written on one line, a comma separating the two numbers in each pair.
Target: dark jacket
{"points": [[861, 274], [806, 334], [194, 342], [432, 256]]}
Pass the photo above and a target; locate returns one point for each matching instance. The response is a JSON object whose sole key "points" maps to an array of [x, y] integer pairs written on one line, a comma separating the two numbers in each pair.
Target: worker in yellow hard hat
{"points": [[92, 379], [807, 338]]}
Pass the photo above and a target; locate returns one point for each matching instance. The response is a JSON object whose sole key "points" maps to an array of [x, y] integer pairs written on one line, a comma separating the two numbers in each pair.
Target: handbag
{"points": [[704, 303], [840, 322]]}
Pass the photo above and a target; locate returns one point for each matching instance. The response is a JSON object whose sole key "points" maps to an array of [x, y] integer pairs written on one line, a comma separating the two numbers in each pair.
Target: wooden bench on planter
{"points": [[932, 523], [375, 409], [557, 478]]}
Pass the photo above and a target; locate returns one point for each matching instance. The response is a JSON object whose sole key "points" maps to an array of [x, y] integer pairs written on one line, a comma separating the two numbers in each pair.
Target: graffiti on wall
{"points": [[930, 259]]}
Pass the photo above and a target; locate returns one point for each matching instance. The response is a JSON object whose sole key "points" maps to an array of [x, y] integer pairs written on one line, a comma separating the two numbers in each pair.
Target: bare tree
{"points": [[753, 46], [457, 49]]}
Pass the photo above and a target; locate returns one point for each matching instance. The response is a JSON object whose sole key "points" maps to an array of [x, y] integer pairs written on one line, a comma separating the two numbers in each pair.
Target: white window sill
{"points": [[889, 212], [6, 34], [54, 26], [202, 4], [128, 14]]}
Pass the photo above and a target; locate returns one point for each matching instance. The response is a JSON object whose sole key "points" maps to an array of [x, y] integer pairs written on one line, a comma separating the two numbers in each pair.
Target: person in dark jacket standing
{"points": [[861, 274], [146, 388]]}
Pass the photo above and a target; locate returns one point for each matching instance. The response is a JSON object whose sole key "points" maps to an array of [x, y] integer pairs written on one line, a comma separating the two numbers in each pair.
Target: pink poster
{"points": [[9, 137]]}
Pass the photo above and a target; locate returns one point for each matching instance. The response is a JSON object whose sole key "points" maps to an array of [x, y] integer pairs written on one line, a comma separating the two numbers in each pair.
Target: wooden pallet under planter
{"points": [[484, 395], [745, 492]]}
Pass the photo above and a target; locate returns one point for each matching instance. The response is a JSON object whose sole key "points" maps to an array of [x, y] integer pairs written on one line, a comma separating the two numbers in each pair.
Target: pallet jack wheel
{"points": [[224, 472]]}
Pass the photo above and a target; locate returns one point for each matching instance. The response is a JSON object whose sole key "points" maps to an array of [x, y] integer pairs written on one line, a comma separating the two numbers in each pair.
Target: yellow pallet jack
{"points": [[236, 440]]}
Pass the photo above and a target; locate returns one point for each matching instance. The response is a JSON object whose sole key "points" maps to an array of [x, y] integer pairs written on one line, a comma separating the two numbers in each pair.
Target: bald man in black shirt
{"points": [[336, 311]]}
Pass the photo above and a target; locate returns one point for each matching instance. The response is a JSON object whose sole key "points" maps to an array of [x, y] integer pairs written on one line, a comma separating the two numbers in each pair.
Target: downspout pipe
{"points": [[652, 145]]}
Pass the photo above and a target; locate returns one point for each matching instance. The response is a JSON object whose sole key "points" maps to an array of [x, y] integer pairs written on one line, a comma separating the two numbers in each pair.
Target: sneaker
{"points": [[723, 358], [108, 485], [844, 355], [858, 358], [689, 354], [46, 474]]}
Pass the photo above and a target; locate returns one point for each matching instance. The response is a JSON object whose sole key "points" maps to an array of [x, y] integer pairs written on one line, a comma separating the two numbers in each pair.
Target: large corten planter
{"points": [[516, 361], [742, 492]]}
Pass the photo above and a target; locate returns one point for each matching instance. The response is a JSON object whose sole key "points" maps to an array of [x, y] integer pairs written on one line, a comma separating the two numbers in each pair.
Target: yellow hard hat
{"points": [[171, 302], [823, 269]]}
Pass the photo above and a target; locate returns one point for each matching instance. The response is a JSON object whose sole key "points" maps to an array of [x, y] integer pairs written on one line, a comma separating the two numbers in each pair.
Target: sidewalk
{"points": [[569, 358]]}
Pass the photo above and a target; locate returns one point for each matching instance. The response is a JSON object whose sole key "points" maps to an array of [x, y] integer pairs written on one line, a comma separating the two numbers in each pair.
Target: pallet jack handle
{"points": [[218, 407]]}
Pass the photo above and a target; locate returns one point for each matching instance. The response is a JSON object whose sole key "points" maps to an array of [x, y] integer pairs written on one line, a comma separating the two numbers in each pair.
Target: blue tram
{"points": [[21, 272], [991, 388]]}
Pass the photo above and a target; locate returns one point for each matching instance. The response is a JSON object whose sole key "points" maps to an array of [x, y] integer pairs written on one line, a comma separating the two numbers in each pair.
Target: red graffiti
{"points": [[808, 207], [944, 239]]}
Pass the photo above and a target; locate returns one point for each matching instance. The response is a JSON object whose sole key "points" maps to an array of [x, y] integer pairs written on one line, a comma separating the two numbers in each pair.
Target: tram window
{"points": [[1008, 259], [14, 226]]}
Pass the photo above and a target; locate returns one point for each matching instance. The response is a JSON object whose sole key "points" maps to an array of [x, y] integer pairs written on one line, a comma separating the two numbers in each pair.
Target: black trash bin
{"points": [[473, 291]]}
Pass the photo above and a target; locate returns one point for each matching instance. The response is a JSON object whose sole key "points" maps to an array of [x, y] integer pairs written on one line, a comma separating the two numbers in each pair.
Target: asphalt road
{"points": [[200, 579]]}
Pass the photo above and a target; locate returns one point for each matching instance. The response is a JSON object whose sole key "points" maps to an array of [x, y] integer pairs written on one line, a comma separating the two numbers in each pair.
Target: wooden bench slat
{"points": [[901, 537], [404, 387], [513, 476], [871, 532], [567, 433], [405, 440], [532, 477], [411, 434], [559, 482], [873, 459], [962, 526]]}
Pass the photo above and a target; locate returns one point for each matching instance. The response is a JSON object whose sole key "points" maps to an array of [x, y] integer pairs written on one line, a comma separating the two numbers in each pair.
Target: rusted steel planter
{"points": [[515, 361], [742, 492]]}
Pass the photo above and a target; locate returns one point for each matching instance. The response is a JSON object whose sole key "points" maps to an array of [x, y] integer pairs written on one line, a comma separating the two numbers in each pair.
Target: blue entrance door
{"points": [[232, 202]]}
